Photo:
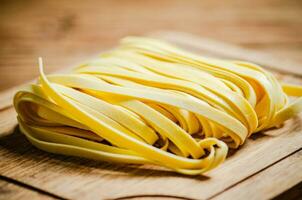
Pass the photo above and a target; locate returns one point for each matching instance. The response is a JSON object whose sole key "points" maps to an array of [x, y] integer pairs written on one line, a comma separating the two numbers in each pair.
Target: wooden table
{"points": [[65, 32]]}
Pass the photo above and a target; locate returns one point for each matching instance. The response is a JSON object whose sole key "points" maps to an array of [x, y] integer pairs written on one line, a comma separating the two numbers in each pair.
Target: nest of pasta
{"points": [[148, 102]]}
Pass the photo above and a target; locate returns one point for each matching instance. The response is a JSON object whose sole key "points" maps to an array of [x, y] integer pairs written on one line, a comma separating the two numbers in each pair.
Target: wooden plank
{"points": [[189, 41], [14, 192], [270, 182], [64, 32], [76, 178], [294, 193], [73, 177], [28, 31], [8, 121]]}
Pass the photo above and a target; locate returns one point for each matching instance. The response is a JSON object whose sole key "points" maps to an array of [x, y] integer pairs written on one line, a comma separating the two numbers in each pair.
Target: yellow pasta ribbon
{"points": [[148, 102]]}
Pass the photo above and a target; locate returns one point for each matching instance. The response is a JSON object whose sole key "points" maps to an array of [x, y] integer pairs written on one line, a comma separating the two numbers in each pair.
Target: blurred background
{"points": [[65, 32]]}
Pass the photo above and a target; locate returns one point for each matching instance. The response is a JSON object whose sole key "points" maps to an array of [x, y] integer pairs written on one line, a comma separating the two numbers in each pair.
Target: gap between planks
{"points": [[74, 176], [285, 172], [228, 167], [11, 190]]}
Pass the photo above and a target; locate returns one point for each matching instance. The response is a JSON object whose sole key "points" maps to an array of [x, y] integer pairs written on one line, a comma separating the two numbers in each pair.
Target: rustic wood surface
{"points": [[65, 33], [276, 152], [280, 177], [12, 191]]}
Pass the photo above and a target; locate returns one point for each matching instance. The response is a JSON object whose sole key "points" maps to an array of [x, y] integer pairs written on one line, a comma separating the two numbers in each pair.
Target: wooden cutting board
{"points": [[268, 164]]}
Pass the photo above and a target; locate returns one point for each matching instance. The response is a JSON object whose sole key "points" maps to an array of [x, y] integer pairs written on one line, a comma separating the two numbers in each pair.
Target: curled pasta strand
{"points": [[148, 102]]}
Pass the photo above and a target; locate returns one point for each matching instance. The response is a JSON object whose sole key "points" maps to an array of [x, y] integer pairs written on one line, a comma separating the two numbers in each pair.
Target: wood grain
{"points": [[294, 193], [78, 178], [70, 177], [8, 121], [200, 45], [63, 32], [284, 174], [14, 192]]}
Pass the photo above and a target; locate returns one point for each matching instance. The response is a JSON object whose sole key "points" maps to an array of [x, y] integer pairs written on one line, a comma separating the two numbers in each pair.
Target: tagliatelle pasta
{"points": [[147, 102]]}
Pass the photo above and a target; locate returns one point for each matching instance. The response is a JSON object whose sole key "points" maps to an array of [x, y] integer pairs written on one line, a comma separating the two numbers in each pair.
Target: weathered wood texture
{"points": [[65, 33], [86, 179], [282, 179], [13, 192], [276, 151]]}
